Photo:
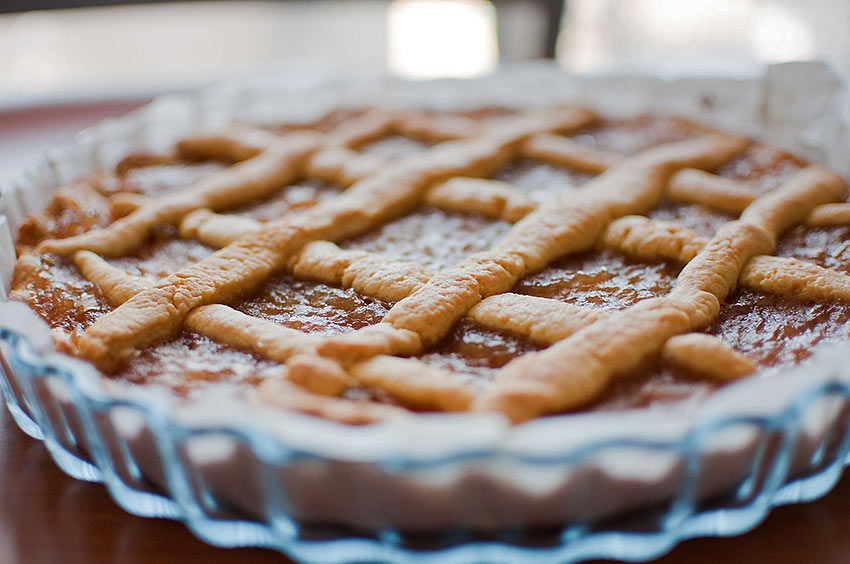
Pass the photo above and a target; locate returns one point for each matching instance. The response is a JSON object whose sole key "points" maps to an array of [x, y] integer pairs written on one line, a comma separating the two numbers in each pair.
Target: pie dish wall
{"points": [[469, 482]]}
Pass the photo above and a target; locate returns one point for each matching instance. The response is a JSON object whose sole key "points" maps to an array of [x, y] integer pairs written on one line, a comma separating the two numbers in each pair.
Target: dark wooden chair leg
{"points": [[554, 13], [546, 45]]}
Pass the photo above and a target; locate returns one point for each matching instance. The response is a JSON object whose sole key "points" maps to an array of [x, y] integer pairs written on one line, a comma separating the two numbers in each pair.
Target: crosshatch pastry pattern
{"points": [[382, 262]]}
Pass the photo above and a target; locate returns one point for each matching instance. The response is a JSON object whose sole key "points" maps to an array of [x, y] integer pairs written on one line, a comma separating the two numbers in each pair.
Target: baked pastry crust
{"points": [[586, 347]]}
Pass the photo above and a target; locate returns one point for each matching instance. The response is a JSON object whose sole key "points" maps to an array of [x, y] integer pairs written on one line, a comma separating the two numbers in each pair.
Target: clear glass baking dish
{"points": [[448, 488]]}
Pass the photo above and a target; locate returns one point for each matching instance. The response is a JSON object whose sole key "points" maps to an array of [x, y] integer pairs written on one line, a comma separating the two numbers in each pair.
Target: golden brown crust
{"points": [[491, 198], [143, 160], [795, 278], [116, 285], [234, 328], [283, 393], [413, 383], [829, 215], [566, 152], [216, 230], [641, 237], [708, 356], [237, 143], [435, 128], [125, 203], [369, 274], [542, 320], [318, 375], [693, 186], [342, 166], [366, 127]]}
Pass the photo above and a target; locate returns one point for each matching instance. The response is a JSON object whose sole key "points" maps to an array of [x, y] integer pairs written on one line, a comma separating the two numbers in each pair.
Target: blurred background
{"points": [[101, 47], [104, 57]]}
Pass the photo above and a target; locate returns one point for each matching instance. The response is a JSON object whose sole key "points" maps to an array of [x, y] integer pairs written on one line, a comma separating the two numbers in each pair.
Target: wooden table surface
{"points": [[47, 517]]}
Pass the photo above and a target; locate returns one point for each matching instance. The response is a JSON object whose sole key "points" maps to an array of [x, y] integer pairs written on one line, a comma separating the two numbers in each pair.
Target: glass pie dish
{"points": [[465, 487]]}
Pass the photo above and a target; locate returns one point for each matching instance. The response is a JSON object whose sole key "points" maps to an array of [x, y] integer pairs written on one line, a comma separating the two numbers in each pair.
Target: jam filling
{"points": [[762, 167], [158, 180], [775, 330], [312, 307], [540, 181], [62, 297], [162, 255], [601, 280], [393, 147], [190, 362], [435, 239], [699, 219], [628, 136], [825, 246], [474, 353], [655, 384], [296, 197]]}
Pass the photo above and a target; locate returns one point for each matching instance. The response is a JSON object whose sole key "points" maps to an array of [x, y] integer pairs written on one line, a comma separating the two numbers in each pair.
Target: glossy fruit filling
{"points": [[313, 307], [290, 199], [431, 237]]}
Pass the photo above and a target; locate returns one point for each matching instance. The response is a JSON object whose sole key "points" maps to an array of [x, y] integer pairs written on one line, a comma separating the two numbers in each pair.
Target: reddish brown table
{"points": [[47, 517]]}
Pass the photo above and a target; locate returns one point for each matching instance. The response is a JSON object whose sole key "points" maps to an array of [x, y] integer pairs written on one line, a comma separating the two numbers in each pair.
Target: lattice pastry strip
{"points": [[829, 215], [490, 198], [708, 355]]}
